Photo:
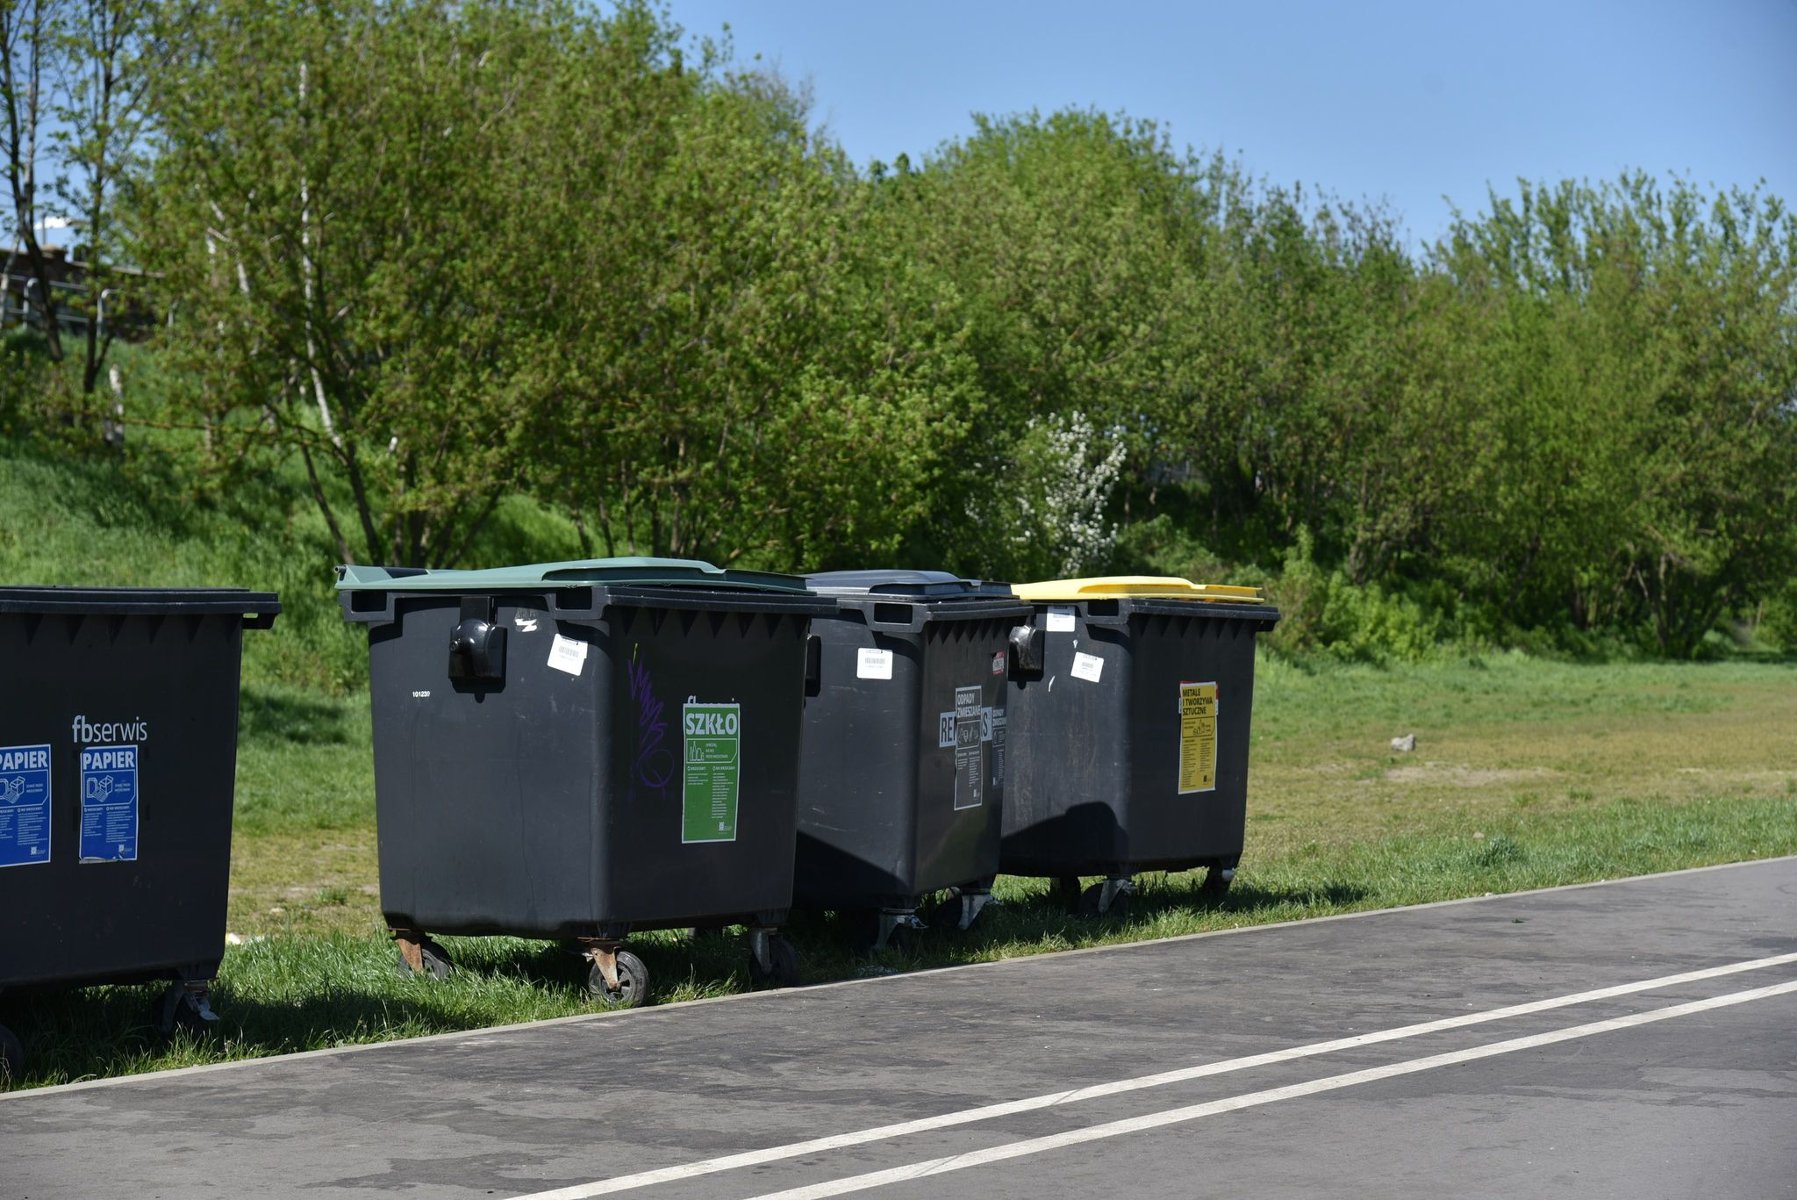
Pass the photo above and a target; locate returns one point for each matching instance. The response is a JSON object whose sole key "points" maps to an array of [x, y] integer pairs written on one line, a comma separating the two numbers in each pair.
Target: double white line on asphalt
{"points": [[1018, 1149]]}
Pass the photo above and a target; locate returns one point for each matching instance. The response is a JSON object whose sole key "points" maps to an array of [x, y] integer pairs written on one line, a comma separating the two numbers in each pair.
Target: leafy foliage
{"points": [[441, 261]]}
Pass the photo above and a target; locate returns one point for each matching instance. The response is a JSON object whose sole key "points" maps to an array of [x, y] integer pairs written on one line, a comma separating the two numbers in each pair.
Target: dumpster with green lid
{"points": [[902, 778], [578, 750], [1130, 745], [118, 751]]}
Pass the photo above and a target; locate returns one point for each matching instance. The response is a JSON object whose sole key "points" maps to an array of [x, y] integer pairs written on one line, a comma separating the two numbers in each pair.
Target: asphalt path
{"points": [[1633, 1039]]}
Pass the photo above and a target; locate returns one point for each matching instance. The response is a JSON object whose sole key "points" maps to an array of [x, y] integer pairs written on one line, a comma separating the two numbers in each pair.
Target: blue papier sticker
{"points": [[109, 804], [24, 805]]}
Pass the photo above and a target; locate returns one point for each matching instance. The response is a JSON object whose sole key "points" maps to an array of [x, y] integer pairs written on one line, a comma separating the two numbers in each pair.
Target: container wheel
{"points": [[783, 965], [1090, 898], [902, 940], [183, 1008], [633, 983], [945, 914], [12, 1058], [1066, 890], [1216, 882], [435, 960]]}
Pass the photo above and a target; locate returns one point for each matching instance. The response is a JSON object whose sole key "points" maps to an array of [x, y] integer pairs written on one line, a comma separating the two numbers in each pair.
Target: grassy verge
{"points": [[1526, 774]]}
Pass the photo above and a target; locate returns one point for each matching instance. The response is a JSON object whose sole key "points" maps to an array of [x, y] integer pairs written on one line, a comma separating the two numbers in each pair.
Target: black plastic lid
{"points": [[138, 601]]}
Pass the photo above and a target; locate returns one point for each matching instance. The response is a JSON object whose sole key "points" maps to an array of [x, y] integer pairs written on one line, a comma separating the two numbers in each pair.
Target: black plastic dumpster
{"points": [[118, 754], [578, 750], [1130, 746], [902, 773]]}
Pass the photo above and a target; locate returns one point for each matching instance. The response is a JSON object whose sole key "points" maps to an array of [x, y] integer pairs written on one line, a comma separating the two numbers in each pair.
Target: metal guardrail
{"points": [[18, 308]]}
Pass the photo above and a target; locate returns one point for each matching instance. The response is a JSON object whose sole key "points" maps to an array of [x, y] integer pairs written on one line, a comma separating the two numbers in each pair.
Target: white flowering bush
{"points": [[1065, 470]]}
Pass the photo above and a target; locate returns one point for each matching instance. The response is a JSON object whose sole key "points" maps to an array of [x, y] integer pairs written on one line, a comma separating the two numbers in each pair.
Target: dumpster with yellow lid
{"points": [[1130, 743]]}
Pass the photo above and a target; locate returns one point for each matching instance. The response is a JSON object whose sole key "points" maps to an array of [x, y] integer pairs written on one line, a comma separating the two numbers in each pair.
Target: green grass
{"points": [[1527, 773]]}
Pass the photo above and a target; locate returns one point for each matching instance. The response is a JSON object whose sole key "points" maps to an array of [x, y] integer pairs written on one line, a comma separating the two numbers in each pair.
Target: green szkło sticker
{"points": [[713, 736]]}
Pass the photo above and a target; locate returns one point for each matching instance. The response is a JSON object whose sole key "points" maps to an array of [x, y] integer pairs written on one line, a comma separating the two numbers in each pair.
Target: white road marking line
{"points": [[881, 1133], [1192, 1112]]}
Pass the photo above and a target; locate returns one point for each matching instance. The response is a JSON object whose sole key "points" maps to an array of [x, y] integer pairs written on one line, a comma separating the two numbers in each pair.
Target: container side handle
{"points": [[1027, 657]]}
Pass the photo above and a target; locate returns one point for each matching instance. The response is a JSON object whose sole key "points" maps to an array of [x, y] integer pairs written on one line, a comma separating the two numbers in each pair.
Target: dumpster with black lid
{"points": [[577, 750], [1130, 745], [901, 782], [118, 758]]}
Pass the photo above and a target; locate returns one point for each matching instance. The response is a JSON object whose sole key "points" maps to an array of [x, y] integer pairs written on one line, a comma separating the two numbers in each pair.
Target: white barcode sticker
{"points": [[566, 654], [1060, 618], [873, 664], [1087, 666]]}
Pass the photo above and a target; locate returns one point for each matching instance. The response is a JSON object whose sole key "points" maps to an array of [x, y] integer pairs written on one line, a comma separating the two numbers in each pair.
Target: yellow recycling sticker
{"points": [[1197, 737]]}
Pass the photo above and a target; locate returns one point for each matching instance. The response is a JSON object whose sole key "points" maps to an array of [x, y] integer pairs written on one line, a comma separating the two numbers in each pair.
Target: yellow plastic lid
{"points": [[1111, 587]]}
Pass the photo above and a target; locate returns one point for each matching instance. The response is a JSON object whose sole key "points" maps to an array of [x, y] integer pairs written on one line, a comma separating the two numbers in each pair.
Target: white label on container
{"points": [[873, 664], [969, 758], [1087, 666], [566, 654], [1060, 618]]}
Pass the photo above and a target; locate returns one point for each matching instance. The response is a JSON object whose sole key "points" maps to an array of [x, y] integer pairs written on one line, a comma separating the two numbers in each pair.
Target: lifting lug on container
{"points": [[1027, 658], [477, 645], [814, 665]]}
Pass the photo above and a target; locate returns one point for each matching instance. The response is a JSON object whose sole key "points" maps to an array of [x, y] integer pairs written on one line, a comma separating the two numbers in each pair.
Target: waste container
{"points": [[1130, 745], [118, 760], [902, 765], [578, 750]]}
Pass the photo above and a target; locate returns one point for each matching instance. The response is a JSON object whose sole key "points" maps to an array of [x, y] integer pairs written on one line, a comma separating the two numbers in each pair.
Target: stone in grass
{"points": [[1405, 744]]}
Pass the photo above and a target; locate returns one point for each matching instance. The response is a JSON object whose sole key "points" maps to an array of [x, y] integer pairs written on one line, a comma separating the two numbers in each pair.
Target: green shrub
{"points": [[1778, 622], [1322, 612]]}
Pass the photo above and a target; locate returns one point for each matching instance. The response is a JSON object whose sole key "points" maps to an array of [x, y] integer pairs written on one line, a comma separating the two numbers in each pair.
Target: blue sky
{"points": [[1400, 102]]}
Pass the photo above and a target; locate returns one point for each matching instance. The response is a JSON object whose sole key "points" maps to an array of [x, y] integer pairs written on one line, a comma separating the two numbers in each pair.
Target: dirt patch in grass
{"points": [[1456, 775]]}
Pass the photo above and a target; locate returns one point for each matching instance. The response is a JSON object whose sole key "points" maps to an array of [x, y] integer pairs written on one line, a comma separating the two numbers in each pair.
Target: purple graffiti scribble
{"points": [[654, 765]]}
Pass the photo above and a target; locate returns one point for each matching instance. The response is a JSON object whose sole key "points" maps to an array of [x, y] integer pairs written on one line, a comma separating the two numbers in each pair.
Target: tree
{"points": [[29, 32], [107, 60], [762, 377], [1638, 386], [347, 227]]}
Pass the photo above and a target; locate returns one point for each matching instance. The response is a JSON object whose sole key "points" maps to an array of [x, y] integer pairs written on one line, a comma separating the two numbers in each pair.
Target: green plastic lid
{"points": [[656, 572], [1139, 586]]}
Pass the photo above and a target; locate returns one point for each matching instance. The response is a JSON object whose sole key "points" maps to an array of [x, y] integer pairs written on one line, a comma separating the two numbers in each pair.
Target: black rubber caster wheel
{"points": [[177, 1010], [1216, 883], [1088, 903], [437, 964], [633, 983], [12, 1058], [1066, 890], [783, 968], [944, 916], [902, 940]]}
